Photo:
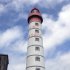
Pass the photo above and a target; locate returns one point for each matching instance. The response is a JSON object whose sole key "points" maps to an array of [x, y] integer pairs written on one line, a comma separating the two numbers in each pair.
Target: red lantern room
{"points": [[35, 16]]}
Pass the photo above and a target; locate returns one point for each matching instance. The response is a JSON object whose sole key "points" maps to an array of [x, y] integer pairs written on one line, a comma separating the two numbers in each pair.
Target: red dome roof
{"points": [[35, 13]]}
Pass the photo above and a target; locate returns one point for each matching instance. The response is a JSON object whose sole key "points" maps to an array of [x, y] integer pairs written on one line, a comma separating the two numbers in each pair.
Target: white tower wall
{"points": [[32, 25], [32, 64], [31, 61], [31, 50], [35, 51]]}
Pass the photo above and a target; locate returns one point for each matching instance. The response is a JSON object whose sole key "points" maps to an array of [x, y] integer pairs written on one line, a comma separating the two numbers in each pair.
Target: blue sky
{"points": [[55, 27]]}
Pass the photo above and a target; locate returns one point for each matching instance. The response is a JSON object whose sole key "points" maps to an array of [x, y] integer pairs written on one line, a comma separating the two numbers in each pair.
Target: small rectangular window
{"points": [[36, 24], [37, 58], [37, 68], [37, 31], [37, 48], [36, 39]]}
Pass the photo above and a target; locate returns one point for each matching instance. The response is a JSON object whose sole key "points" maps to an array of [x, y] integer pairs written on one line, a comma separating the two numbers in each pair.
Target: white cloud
{"points": [[65, 58], [21, 16], [18, 5], [19, 46], [50, 3], [46, 3], [61, 62], [9, 36], [56, 33], [2, 8], [65, 15], [16, 62], [17, 67], [59, 30], [4, 1], [33, 1]]}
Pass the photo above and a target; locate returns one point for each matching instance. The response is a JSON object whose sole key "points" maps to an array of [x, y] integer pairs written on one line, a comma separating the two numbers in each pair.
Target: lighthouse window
{"points": [[36, 24], [35, 11], [37, 31], [37, 68], [37, 48], [37, 58], [36, 39]]}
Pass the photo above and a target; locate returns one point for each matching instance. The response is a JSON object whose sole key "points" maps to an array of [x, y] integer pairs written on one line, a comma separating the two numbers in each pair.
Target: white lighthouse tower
{"points": [[35, 52]]}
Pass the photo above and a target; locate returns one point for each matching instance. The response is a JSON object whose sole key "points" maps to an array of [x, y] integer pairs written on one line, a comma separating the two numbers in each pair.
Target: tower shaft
{"points": [[35, 51]]}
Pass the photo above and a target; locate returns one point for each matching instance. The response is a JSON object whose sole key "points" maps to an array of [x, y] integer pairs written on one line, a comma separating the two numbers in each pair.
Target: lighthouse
{"points": [[35, 50]]}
